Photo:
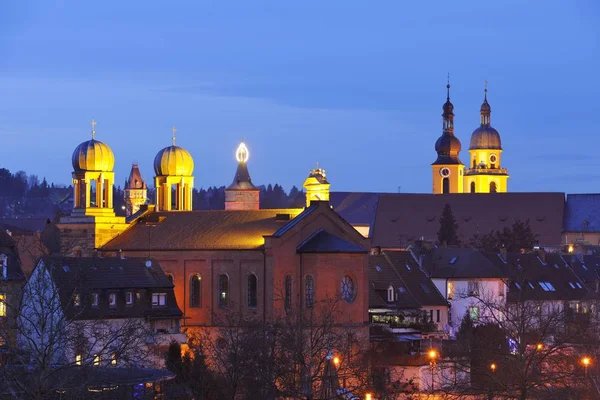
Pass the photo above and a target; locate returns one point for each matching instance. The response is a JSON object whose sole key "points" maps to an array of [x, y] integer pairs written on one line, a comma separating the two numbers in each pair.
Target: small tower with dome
{"points": [[174, 181], [316, 186], [242, 194], [92, 222], [485, 173], [447, 169]]}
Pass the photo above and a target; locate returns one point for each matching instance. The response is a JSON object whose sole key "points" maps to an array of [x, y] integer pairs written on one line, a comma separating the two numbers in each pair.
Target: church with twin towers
{"points": [[484, 172]]}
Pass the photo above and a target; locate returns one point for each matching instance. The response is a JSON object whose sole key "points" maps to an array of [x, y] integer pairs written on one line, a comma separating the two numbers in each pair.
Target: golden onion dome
{"points": [[173, 161], [93, 155]]}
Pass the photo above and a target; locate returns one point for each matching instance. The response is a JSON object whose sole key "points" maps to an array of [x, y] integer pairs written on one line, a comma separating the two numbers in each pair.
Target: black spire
{"points": [[485, 110], [448, 114]]}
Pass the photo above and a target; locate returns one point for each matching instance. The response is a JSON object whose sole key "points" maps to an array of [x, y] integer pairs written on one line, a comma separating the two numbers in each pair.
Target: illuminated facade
{"points": [[174, 182], [316, 186], [447, 170], [242, 194], [484, 173]]}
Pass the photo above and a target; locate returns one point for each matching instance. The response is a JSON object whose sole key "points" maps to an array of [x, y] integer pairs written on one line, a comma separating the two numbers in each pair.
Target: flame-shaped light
{"points": [[242, 154]]}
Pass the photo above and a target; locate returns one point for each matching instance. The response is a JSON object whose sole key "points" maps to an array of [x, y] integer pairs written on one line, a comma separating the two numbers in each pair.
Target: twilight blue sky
{"points": [[355, 85]]}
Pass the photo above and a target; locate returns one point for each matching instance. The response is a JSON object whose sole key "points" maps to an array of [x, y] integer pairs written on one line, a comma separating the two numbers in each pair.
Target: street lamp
{"points": [[368, 396], [432, 354], [493, 367], [586, 361], [336, 361], [539, 347]]}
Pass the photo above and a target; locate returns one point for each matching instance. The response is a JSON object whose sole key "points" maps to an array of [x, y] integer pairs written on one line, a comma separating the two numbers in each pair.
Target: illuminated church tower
{"points": [[136, 191], [317, 186], [242, 194], [174, 182], [92, 222], [486, 174], [447, 170]]}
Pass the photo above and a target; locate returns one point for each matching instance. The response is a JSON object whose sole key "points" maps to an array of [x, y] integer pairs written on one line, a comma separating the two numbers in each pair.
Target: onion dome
{"points": [[93, 155], [447, 145], [173, 161], [242, 180], [485, 137]]}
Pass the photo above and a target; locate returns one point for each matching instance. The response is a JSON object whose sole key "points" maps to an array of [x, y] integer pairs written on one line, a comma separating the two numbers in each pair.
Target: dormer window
{"points": [[112, 299], [390, 294], [159, 299], [76, 300], [129, 298]]}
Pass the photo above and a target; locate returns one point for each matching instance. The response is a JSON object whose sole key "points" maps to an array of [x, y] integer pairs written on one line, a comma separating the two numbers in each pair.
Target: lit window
{"points": [[2, 305], [474, 313], [129, 298], [95, 299], [450, 290], [112, 299], [252, 291], [309, 290], [96, 359], [78, 359], [347, 289], [159, 299], [195, 291], [288, 292], [223, 291], [390, 294], [76, 300], [4, 262], [113, 359]]}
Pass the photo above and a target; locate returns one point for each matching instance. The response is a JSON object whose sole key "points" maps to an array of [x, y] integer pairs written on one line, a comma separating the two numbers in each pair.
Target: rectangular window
{"points": [[112, 299], [501, 289], [129, 298], [2, 305], [96, 360], [76, 300], [474, 313], [430, 315], [473, 288], [78, 359], [437, 312], [159, 299], [450, 290], [95, 299]]}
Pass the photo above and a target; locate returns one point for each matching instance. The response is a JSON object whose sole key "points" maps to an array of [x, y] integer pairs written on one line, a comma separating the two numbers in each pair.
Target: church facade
{"points": [[483, 172], [244, 260]]}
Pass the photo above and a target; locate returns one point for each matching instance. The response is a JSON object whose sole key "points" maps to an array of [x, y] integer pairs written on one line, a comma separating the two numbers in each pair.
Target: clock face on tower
{"points": [[445, 172], [493, 158]]}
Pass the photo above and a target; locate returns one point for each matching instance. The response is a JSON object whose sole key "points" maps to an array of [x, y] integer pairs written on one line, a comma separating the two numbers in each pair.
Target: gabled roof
{"points": [[463, 264], [403, 218], [324, 242], [103, 275], [202, 230], [582, 213], [24, 225]]}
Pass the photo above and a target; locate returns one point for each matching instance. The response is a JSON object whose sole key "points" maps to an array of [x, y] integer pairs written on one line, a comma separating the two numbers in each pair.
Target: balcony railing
{"points": [[487, 171]]}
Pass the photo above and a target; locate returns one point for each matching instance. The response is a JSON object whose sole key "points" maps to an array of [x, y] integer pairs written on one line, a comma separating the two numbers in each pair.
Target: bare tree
{"points": [[54, 348]]}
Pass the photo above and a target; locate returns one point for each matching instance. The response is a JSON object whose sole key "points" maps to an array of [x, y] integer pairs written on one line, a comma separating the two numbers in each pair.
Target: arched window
{"points": [[195, 291], [472, 187], [223, 290], [348, 289], [252, 288], [492, 187], [446, 185], [309, 290], [288, 292]]}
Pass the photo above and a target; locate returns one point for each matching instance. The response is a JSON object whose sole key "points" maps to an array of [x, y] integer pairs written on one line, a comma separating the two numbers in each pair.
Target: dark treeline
{"points": [[23, 195]]}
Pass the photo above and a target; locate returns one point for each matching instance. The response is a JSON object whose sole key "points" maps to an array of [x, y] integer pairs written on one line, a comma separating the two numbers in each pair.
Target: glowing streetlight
{"points": [[336, 361], [432, 354], [539, 347], [368, 396], [586, 361], [493, 367]]}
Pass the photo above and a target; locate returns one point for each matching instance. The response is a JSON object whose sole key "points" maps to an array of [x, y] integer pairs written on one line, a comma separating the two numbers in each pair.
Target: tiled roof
{"points": [[297, 219], [202, 230], [462, 263], [356, 208], [104, 275], [403, 218], [324, 242], [582, 213]]}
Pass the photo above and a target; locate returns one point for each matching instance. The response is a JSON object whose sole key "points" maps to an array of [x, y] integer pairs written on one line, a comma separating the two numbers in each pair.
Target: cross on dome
{"points": [[94, 123], [173, 137]]}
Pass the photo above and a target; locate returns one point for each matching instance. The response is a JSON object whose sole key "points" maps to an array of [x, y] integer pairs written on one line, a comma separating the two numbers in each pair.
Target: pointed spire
{"points": [[94, 123], [448, 114], [485, 110], [448, 88], [173, 137]]}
